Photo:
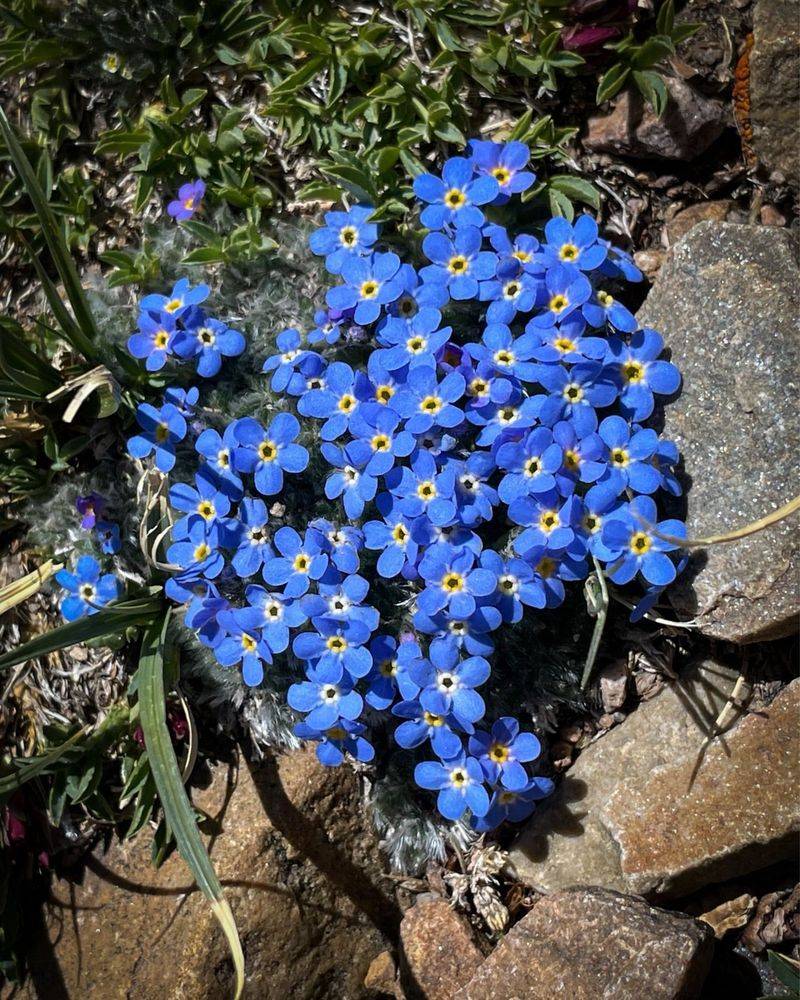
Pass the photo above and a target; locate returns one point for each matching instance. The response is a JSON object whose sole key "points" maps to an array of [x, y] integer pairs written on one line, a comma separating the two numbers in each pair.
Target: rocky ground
{"points": [[665, 864]]}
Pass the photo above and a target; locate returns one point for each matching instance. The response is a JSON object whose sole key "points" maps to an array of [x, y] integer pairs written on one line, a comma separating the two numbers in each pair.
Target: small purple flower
{"points": [[188, 201], [89, 507]]}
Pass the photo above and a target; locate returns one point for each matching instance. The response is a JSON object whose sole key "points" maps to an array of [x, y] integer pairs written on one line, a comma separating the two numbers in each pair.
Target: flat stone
{"points": [[726, 302], [303, 874], [775, 86], [648, 809], [438, 948], [689, 125], [589, 944]]}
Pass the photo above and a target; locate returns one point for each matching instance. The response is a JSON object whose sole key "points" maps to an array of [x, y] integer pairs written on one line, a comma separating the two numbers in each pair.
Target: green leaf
{"points": [[652, 52], [204, 255], [612, 82], [575, 188], [53, 237], [23, 374], [653, 89], [178, 811], [112, 618], [787, 970], [666, 18], [70, 330], [560, 204]]}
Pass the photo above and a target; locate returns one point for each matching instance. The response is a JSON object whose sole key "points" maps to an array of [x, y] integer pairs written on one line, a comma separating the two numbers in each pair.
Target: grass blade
{"points": [[27, 768], [21, 589], [174, 800], [23, 374], [53, 237], [121, 614]]}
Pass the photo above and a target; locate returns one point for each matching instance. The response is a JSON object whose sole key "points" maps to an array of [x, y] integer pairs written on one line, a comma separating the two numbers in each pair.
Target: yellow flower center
{"points": [[522, 256], [426, 490], [546, 567], [455, 198], [431, 404], [206, 509], [640, 543], [499, 753], [457, 264], [223, 458], [267, 451], [161, 339], [458, 778], [201, 552], [504, 357], [564, 345], [572, 460], [633, 371], [507, 415], [387, 668], [502, 175], [301, 563], [336, 644], [347, 403], [248, 643], [432, 720], [162, 432], [400, 534], [384, 393], [369, 289], [558, 303], [416, 345], [605, 299], [573, 393], [452, 583], [173, 305], [620, 457], [348, 236], [478, 387], [569, 252], [336, 733], [549, 521], [380, 443]]}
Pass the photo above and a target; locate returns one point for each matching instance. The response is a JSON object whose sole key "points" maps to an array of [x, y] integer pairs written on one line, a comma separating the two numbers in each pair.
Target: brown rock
{"points": [[648, 810], [687, 218], [590, 943], [381, 977], [726, 301], [614, 685], [649, 262], [770, 216], [310, 923], [690, 124], [775, 86], [438, 948], [729, 915]]}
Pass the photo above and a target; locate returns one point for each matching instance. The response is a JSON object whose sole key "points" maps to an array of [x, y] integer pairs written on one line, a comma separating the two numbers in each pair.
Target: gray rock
{"points": [[775, 86], [648, 809], [592, 944], [689, 125], [726, 301]]}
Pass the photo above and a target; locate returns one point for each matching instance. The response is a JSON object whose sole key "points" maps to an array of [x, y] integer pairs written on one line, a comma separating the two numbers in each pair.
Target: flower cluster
{"points": [[480, 466], [91, 507], [174, 326]]}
